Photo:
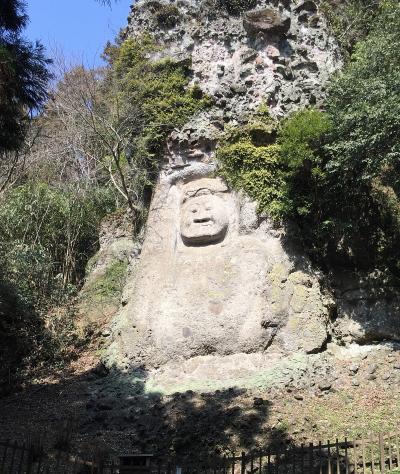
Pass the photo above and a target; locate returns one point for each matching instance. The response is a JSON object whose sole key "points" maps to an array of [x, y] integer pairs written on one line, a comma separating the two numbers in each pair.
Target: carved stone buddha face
{"points": [[204, 220]]}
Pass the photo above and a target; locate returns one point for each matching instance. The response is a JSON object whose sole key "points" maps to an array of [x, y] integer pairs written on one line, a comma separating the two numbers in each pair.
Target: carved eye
{"points": [[194, 211], [208, 208]]}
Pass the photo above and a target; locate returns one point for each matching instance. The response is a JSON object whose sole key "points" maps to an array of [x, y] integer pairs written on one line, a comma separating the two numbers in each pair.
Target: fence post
{"points": [[397, 450], [320, 456], [390, 454], [372, 456], [233, 462], [355, 456], [346, 455], [29, 459], [14, 449], [363, 455], [293, 460], [277, 460], [243, 468], [337, 457], [21, 459], [382, 453], [5, 446], [329, 458]]}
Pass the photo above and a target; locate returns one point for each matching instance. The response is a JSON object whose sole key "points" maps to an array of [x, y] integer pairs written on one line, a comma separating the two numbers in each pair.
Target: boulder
{"points": [[267, 20]]}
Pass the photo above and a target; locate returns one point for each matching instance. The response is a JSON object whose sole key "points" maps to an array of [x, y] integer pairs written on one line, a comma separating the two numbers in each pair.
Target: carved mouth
{"points": [[204, 221]]}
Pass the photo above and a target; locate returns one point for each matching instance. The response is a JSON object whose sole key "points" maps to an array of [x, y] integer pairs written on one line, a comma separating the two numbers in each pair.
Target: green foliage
{"points": [[364, 144], [47, 236], [107, 285], [23, 75], [364, 102], [338, 172], [160, 88], [284, 177], [12, 15], [301, 137], [167, 16], [350, 20], [235, 7], [250, 162], [157, 94]]}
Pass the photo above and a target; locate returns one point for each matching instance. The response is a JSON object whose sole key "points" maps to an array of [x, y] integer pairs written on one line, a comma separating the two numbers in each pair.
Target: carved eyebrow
{"points": [[203, 191], [199, 192]]}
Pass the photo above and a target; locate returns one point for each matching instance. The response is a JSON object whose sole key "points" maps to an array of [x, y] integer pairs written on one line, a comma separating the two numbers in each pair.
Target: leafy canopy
{"points": [[338, 172], [23, 75]]}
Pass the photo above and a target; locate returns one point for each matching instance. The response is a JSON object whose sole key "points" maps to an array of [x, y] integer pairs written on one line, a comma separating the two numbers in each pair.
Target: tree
{"points": [[364, 145], [111, 123], [350, 20], [24, 75]]}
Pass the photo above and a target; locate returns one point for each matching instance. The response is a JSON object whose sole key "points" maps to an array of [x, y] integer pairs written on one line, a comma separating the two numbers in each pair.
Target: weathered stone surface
{"points": [[213, 280], [368, 310], [219, 296], [266, 20], [99, 298], [241, 61]]}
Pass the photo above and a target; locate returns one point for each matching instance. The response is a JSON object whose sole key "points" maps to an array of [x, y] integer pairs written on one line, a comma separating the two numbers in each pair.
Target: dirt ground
{"points": [[94, 408]]}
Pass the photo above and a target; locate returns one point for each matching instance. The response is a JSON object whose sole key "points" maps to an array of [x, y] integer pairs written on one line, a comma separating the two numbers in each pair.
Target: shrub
{"points": [[350, 20], [48, 234], [235, 7], [167, 16], [280, 176], [248, 162], [338, 173], [364, 145], [157, 93], [301, 137]]}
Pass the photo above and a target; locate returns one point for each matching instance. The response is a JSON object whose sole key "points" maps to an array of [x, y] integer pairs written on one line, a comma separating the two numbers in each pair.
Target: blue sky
{"points": [[79, 28]]}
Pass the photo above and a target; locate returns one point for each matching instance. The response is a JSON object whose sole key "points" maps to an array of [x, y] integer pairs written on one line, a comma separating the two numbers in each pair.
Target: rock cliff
{"points": [[219, 296]]}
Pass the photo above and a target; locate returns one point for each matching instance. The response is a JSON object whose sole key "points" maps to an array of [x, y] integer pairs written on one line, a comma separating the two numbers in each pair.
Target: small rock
{"points": [[325, 386], [356, 383], [297, 396], [266, 20], [354, 368], [238, 88], [272, 52], [371, 369], [371, 377]]}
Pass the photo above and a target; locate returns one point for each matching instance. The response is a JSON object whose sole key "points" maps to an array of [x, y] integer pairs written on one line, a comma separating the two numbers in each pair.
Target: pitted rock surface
{"points": [[279, 53], [215, 280]]}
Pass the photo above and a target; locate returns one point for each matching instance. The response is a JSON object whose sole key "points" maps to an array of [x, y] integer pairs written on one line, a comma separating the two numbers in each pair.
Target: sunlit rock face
{"points": [[215, 280], [279, 52], [204, 215], [218, 293]]}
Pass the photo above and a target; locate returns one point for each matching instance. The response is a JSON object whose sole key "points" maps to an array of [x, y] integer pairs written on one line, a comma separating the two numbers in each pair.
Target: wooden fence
{"points": [[377, 454]]}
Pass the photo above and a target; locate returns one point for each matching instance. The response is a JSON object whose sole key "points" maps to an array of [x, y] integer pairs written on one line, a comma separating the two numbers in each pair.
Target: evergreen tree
{"points": [[23, 74]]}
